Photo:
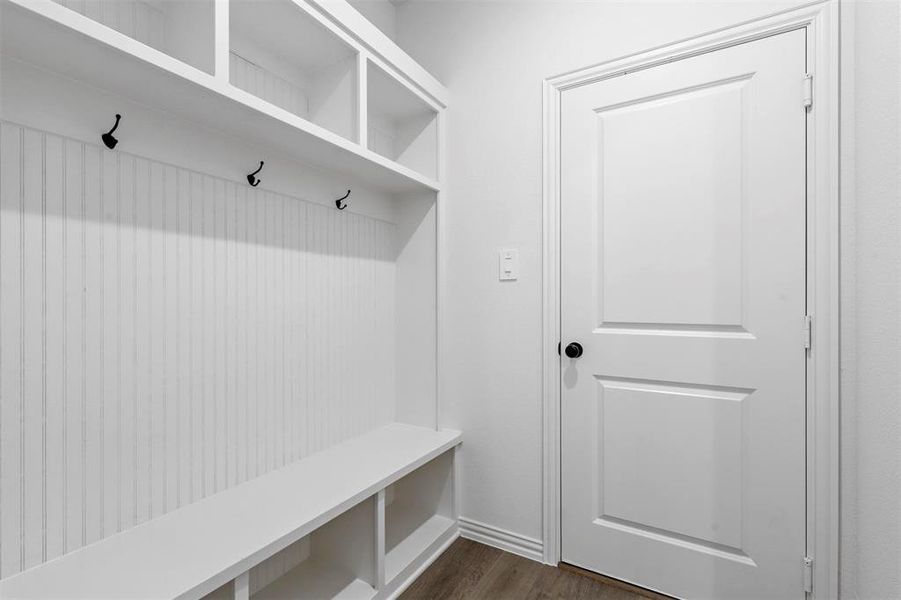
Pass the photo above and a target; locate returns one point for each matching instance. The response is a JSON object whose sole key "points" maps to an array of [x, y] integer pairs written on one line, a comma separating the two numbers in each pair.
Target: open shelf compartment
{"points": [[337, 560], [401, 125], [281, 54], [418, 513], [183, 29]]}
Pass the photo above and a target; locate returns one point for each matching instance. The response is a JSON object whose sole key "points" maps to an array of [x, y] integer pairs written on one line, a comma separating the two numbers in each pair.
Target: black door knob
{"points": [[573, 350]]}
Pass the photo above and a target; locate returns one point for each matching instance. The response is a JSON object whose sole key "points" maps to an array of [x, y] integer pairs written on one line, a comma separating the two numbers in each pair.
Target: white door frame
{"points": [[821, 21]]}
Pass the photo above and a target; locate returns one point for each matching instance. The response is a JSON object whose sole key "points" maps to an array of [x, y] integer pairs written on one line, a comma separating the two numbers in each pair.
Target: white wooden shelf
{"points": [[194, 550], [52, 36]]}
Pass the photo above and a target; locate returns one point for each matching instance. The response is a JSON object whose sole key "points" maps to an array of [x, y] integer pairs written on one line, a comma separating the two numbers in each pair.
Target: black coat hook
{"points": [[108, 138], [252, 179], [342, 199]]}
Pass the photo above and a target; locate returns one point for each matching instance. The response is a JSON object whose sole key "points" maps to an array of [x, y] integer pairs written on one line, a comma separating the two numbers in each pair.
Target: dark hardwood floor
{"points": [[473, 571]]}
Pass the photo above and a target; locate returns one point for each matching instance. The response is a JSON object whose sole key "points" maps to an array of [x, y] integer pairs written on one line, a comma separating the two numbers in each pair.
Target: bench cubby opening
{"points": [[419, 510], [337, 560], [282, 55]]}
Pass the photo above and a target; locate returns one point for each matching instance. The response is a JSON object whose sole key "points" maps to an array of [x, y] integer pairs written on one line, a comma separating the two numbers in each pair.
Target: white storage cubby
{"points": [[419, 509], [183, 29], [402, 126], [282, 55], [338, 560]]}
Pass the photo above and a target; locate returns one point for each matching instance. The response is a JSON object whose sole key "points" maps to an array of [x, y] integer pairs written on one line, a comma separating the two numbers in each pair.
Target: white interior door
{"points": [[683, 278]]}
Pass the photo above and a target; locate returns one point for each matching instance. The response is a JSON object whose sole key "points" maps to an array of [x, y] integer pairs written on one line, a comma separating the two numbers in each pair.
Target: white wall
{"points": [[873, 354], [493, 55]]}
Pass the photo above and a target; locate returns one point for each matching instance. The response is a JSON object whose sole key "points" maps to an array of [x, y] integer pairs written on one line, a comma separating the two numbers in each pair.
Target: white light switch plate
{"points": [[508, 265]]}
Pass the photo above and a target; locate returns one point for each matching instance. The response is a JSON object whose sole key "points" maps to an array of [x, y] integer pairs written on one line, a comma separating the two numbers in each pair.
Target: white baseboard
{"points": [[500, 538]]}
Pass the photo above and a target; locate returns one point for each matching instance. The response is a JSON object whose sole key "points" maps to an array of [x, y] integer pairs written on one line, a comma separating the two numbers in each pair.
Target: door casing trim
{"points": [[821, 21]]}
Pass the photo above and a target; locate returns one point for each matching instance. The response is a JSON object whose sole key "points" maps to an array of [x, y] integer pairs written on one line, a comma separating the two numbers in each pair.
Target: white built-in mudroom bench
{"points": [[329, 511], [220, 258]]}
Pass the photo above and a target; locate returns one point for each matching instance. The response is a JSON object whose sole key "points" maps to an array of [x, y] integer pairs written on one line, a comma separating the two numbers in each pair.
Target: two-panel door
{"points": [[683, 277]]}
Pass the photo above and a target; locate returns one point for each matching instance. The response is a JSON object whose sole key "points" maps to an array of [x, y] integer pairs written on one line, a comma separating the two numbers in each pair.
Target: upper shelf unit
{"points": [[290, 75]]}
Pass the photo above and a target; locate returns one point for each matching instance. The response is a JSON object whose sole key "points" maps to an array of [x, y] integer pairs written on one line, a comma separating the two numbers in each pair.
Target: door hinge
{"points": [[808, 574], [808, 328], [808, 91]]}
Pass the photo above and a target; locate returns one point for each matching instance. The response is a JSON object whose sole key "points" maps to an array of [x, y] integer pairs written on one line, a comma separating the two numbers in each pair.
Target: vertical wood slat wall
{"points": [[134, 18], [252, 78], [165, 335]]}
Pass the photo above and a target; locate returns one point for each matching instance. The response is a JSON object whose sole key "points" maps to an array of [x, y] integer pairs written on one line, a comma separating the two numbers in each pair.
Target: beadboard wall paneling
{"points": [[135, 18], [165, 335], [252, 78], [382, 135], [183, 29]]}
